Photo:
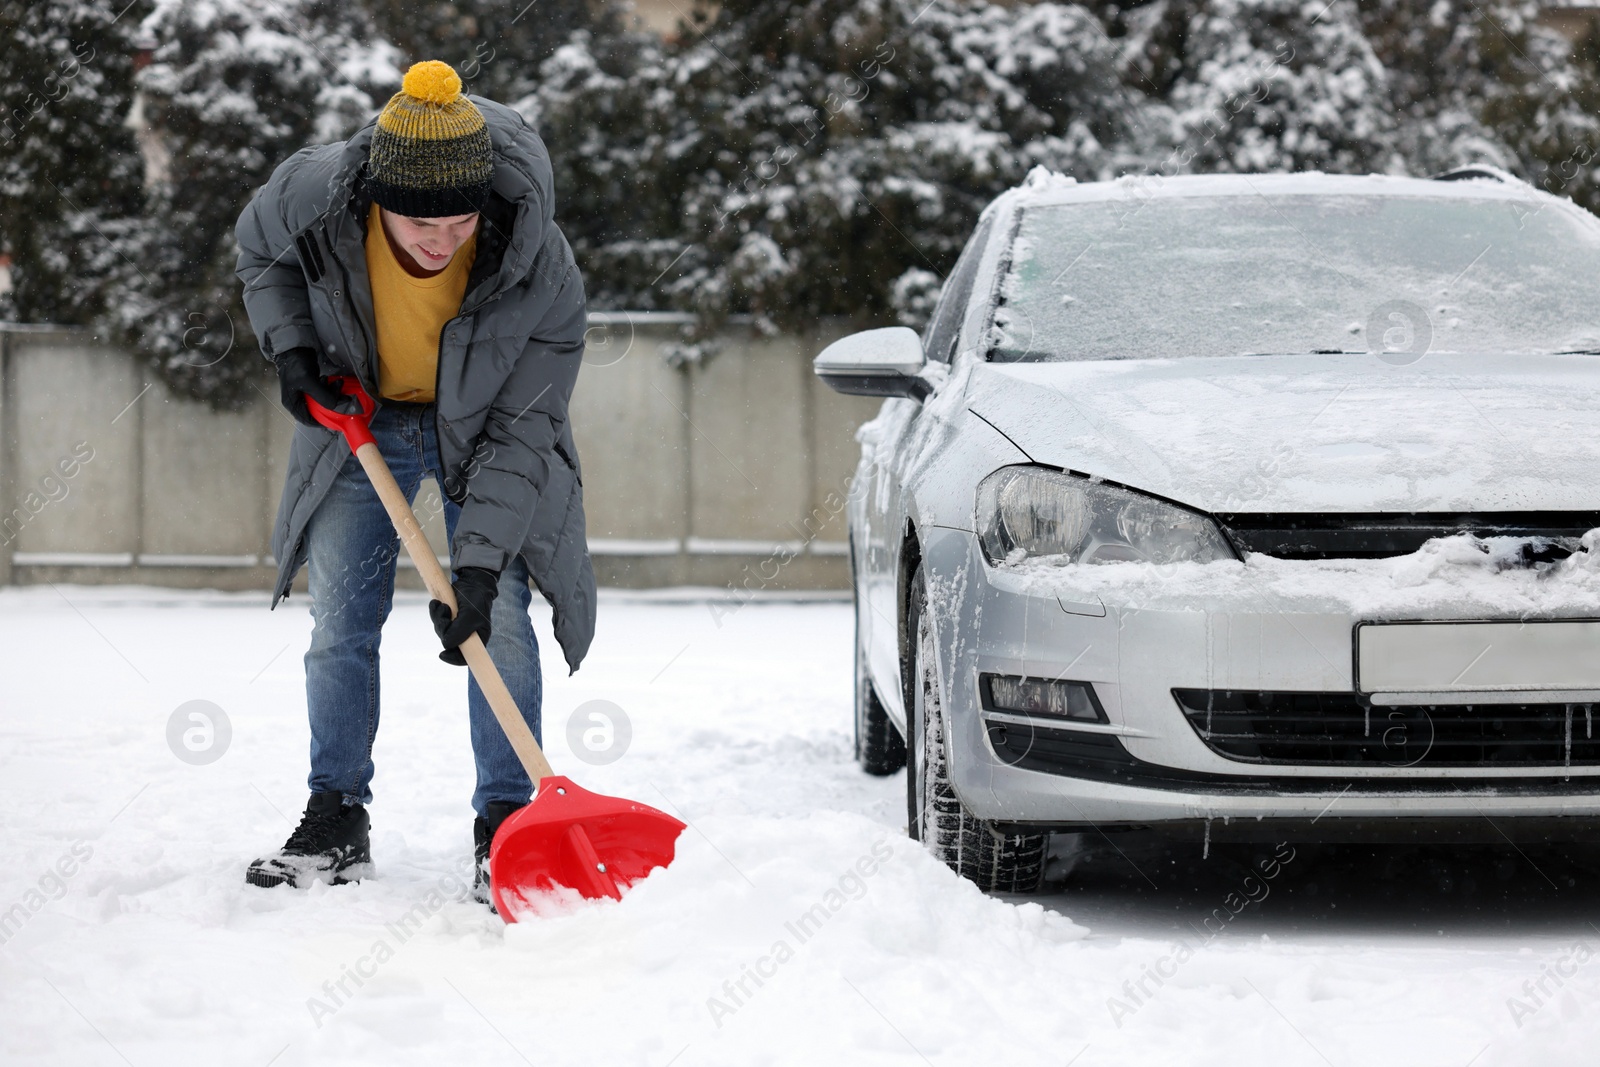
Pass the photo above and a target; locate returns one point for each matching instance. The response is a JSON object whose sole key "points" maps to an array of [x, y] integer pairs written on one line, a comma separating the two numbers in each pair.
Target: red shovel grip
{"points": [[353, 424]]}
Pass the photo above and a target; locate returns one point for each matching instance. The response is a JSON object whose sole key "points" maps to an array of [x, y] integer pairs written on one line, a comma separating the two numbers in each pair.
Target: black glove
{"points": [[298, 379], [475, 589]]}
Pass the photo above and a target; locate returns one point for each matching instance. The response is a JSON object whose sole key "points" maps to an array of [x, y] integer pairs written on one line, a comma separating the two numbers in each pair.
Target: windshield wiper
{"points": [[1579, 352]]}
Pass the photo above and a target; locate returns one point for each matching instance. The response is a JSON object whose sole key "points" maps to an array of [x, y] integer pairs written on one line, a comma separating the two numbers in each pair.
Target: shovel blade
{"points": [[568, 836]]}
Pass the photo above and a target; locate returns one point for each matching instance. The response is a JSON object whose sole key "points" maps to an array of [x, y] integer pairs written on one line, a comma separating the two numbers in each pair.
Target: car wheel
{"points": [[974, 849], [880, 749]]}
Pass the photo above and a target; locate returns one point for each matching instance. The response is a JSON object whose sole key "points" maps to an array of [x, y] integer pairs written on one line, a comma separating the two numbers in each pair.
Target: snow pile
{"points": [[737, 922], [1449, 577]]}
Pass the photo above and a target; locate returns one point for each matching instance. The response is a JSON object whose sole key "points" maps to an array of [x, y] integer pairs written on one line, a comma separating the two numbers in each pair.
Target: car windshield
{"points": [[1236, 275]]}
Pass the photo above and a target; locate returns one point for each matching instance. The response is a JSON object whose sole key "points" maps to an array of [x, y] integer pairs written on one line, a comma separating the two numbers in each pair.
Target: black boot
{"points": [[484, 827], [330, 845]]}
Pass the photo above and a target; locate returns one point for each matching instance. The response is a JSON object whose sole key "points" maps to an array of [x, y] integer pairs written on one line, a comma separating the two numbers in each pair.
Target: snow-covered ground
{"points": [[130, 936]]}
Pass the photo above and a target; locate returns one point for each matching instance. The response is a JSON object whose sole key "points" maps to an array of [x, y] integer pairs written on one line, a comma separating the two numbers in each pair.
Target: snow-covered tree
{"points": [[69, 170], [233, 89], [623, 156], [803, 154], [1358, 85], [1481, 81], [497, 46], [1257, 85]]}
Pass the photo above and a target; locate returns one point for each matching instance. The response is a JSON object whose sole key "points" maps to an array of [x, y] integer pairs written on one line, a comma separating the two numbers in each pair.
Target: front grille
{"points": [[1335, 729], [1552, 535]]}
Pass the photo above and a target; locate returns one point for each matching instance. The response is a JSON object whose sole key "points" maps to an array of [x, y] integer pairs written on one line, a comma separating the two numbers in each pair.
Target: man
{"points": [[420, 258]]}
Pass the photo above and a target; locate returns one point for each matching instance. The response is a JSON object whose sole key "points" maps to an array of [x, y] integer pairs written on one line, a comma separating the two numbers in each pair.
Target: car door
{"points": [[885, 508]]}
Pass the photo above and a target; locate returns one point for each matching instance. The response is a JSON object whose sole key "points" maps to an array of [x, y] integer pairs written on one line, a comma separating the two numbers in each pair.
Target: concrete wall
{"points": [[692, 472]]}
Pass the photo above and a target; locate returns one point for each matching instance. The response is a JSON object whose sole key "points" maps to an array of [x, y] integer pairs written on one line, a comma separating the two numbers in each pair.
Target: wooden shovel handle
{"points": [[433, 576]]}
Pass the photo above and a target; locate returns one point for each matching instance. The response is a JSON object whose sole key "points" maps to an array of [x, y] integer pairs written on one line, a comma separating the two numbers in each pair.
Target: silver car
{"points": [[1249, 506]]}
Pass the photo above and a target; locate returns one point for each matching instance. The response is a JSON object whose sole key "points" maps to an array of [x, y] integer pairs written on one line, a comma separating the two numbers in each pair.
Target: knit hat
{"points": [[430, 151]]}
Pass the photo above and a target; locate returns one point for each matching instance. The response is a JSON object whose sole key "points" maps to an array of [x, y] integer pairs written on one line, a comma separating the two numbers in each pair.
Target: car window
{"points": [[1188, 277], [939, 341]]}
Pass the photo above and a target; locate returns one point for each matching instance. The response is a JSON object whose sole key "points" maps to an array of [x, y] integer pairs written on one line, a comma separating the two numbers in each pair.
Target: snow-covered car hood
{"points": [[1308, 433]]}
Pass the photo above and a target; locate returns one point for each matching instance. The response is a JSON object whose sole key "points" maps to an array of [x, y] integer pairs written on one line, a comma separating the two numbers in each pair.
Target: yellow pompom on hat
{"points": [[430, 154]]}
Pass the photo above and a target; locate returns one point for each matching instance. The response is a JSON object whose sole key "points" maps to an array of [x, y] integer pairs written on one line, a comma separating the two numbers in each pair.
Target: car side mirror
{"points": [[886, 362]]}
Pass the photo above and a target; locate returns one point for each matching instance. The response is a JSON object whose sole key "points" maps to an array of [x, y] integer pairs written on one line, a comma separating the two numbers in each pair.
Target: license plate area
{"points": [[1544, 656]]}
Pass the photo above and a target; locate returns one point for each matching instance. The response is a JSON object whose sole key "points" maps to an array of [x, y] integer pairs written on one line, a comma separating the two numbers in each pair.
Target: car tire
{"points": [[997, 862], [880, 748]]}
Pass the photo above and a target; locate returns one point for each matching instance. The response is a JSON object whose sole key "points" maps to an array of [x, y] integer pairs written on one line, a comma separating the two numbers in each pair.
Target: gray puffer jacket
{"points": [[507, 363]]}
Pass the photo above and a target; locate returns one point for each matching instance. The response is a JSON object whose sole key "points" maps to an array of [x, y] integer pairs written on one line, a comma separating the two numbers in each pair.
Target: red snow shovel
{"points": [[567, 836]]}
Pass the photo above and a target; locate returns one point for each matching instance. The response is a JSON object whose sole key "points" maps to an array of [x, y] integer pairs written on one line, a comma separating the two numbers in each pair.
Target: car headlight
{"points": [[1024, 512]]}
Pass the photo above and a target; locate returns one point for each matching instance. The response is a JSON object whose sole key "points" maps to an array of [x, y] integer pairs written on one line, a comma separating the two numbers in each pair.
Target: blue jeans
{"points": [[352, 550]]}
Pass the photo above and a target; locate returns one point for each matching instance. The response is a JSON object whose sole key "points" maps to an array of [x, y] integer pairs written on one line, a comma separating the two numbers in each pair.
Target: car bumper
{"points": [[1242, 627]]}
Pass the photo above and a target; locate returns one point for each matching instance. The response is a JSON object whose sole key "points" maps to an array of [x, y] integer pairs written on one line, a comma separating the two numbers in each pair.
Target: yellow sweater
{"points": [[410, 313]]}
